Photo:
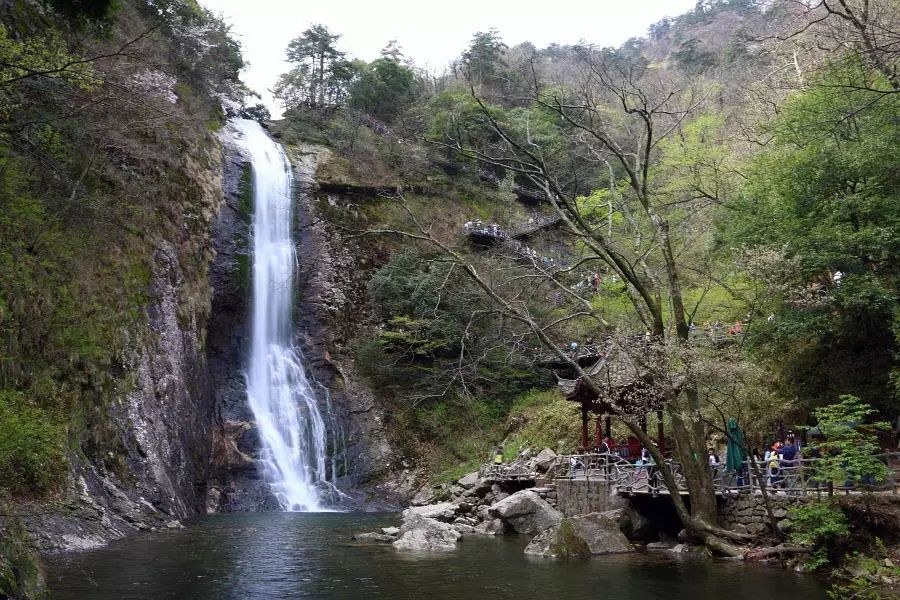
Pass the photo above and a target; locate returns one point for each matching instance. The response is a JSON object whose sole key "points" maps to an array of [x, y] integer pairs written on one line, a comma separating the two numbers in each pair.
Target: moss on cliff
{"points": [[21, 573], [93, 205]]}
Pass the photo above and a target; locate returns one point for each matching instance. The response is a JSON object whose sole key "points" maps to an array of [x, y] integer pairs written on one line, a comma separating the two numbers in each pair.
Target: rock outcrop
{"points": [[526, 512], [148, 462], [582, 535], [420, 533]]}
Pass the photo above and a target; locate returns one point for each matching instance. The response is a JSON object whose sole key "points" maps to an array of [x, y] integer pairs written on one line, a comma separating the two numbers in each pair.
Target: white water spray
{"points": [[291, 428]]}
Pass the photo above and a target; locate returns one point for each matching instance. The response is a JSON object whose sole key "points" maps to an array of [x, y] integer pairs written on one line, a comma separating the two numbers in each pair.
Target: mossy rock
{"points": [[567, 542]]}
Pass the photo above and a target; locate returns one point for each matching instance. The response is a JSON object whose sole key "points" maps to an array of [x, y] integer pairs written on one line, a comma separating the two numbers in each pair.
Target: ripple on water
{"points": [[293, 556]]}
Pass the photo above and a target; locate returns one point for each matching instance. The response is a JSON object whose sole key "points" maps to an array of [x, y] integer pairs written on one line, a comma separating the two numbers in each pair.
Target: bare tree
{"points": [[610, 116]]}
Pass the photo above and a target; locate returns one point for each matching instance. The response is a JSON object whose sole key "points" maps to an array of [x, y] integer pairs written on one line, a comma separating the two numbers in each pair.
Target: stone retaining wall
{"points": [[742, 513], [747, 513], [579, 497]]}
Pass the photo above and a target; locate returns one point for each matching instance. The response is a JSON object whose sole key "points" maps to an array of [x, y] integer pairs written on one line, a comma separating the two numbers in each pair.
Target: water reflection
{"points": [[308, 556]]}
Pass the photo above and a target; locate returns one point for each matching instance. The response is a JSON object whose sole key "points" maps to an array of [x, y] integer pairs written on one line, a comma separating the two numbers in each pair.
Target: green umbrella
{"points": [[735, 445]]}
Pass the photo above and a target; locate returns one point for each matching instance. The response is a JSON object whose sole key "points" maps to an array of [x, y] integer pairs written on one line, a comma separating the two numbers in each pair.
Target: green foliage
{"points": [[410, 284], [91, 10], [692, 58], [47, 54], [384, 88], [849, 445], [21, 576], [456, 114], [543, 419], [32, 447], [320, 76], [257, 112], [819, 525], [824, 194], [483, 59], [863, 576]]}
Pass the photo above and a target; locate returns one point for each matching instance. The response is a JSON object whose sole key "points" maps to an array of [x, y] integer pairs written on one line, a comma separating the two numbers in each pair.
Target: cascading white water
{"points": [[291, 428]]}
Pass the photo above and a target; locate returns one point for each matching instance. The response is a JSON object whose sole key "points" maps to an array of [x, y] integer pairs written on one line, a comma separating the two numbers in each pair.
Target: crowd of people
{"points": [[479, 227], [532, 254], [717, 330]]}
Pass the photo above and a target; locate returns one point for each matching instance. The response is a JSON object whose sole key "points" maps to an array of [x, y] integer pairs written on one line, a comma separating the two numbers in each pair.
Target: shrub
{"points": [[32, 447], [819, 525]]}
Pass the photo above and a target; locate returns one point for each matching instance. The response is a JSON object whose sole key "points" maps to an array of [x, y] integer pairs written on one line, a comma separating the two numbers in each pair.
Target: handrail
{"points": [[796, 477]]}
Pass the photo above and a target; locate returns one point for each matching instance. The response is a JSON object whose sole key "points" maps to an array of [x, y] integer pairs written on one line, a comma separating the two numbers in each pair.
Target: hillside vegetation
{"points": [[730, 176]]}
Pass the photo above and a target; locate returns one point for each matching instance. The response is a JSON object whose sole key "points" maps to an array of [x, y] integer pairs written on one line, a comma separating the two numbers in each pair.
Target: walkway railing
{"points": [[507, 472], [801, 477]]}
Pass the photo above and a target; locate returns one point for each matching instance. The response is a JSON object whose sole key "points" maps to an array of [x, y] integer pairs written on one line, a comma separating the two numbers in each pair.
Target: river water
{"points": [[310, 556]]}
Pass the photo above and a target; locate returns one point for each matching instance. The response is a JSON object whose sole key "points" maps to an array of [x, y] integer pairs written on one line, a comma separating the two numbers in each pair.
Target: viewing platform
{"points": [[798, 478]]}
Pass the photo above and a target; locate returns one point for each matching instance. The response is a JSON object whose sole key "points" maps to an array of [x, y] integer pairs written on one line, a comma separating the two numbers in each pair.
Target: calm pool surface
{"points": [[288, 556]]}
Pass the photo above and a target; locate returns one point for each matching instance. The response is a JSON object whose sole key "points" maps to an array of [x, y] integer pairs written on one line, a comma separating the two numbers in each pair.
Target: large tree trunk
{"points": [[690, 445]]}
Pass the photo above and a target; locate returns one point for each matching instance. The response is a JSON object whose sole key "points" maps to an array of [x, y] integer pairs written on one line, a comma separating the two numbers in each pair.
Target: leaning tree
{"points": [[601, 122]]}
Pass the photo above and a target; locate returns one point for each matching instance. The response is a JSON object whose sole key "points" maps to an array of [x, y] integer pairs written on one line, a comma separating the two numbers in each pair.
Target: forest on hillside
{"points": [[721, 207], [736, 165]]}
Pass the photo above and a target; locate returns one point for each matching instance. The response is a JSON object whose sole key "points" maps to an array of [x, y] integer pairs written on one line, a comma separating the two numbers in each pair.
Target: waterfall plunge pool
{"points": [[288, 556]]}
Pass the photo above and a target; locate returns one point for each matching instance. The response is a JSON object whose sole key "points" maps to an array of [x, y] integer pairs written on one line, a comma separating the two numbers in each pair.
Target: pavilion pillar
{"points": [[585, 441], [608, 426], [598, 432]]}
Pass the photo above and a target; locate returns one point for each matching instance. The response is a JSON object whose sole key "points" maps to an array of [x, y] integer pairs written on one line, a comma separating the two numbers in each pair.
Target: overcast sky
{"points": [[430, 33]]}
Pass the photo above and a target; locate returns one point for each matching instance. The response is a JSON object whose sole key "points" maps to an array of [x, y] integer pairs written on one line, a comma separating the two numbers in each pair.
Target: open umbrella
{"points": [[735, 446]]}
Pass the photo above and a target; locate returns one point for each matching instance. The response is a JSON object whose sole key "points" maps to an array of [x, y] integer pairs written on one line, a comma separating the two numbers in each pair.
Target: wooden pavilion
{"points": [[626, 390]]}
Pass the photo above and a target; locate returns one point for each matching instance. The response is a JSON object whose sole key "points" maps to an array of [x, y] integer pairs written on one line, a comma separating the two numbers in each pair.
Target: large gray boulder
{"points": [[544, 460], [420, 533], [633, 524], [526, 512], [469, 481], [373, 536], [491, 527], [582, 535], [424, 496], [442, 511]]}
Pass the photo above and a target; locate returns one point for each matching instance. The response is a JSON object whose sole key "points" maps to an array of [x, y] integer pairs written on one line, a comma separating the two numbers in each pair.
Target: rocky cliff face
{"points": [[331, 307], [154, 467], [184, 438]]}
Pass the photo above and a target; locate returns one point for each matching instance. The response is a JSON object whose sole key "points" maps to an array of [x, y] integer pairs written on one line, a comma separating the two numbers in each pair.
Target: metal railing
{"points": [[507, 472], [800, 477]]}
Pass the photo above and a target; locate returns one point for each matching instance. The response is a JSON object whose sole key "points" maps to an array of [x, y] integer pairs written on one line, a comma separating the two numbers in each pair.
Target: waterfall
{"points": [[291, 427]]}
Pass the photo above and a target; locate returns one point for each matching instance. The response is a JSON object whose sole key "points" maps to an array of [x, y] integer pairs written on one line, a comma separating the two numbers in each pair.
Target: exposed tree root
{"points": [[719, 547], [779, 550]]}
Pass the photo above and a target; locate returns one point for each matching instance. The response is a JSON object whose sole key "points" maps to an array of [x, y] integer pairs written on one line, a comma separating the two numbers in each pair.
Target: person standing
{"points": [[773, 464], [788, 463]]}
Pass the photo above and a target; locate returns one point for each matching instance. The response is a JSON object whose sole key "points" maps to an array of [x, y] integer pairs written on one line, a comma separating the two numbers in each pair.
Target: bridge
{"points": [[797, 478], [488, 234], [623, 477]]}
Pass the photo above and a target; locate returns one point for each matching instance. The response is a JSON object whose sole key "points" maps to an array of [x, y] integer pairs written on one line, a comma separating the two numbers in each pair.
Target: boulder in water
{"points": [[526, 512], [373, 536], [443, 511], [422, 533], [583, 535], [491, 527], [634, 525]]}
